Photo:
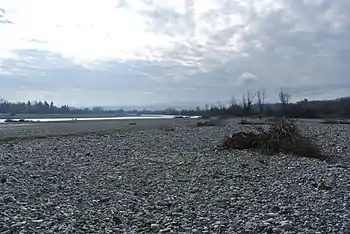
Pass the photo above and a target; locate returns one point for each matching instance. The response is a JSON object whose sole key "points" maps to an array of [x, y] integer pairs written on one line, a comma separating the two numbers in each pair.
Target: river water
{"points": [[96, 118]]}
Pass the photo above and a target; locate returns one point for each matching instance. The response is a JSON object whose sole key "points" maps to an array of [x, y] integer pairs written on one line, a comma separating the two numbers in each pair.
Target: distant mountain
{"points": [[159, 106]]}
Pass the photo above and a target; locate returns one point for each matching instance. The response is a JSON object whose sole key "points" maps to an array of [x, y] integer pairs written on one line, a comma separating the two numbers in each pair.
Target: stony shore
{"points": [[167, 178]]}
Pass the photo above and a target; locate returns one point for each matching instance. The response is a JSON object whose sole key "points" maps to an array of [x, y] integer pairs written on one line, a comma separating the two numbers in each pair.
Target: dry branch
{"points": [[283, 136]]}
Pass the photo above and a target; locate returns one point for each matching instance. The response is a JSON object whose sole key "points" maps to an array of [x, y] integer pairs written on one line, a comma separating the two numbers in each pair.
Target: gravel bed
{"points": [[164, 181], [13, 131]]}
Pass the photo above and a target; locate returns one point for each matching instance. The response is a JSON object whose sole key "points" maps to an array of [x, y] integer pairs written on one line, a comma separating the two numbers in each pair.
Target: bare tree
{"points": [[221, 106], [284, 97], [244, 102], [247, 102], [250, 99], [260, 96]]}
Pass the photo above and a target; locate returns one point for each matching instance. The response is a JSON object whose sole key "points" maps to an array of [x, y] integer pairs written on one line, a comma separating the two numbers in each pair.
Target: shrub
{"points": [[205, 124], [211, 122], [248, 122], [245, 122], [283, 136], [168, 129]]}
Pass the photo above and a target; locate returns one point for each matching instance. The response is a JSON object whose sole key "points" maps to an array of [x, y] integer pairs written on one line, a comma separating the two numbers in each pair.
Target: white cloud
{"points": [[100, 30], [82, 30], [218, 48], [247, 78]]}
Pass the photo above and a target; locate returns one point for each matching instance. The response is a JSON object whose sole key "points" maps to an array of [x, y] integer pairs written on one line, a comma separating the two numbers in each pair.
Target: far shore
{"points": [[60, 115]]}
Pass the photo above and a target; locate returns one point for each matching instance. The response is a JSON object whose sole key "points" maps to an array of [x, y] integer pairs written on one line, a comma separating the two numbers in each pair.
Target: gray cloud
{"points": [[300, 45]]}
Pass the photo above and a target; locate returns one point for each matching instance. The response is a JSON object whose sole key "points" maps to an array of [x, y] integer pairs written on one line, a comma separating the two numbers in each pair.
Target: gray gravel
{"points": [[163, 181], [36, 130]]}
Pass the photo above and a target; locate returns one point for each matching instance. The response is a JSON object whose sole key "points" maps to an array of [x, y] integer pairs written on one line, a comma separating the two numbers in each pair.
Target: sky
{"points": [[144, 52]]}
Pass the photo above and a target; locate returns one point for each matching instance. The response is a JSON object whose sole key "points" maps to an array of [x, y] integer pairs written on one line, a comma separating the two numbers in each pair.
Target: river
{"points": [[30, 120]]}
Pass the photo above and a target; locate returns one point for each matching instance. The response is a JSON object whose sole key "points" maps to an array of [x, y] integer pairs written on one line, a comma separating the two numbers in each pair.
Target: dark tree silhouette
{"points": [[260, 98]]}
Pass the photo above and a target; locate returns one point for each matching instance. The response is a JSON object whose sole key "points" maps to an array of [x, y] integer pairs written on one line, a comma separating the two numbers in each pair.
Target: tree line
{"points": [[44, 107], [253, 104]]}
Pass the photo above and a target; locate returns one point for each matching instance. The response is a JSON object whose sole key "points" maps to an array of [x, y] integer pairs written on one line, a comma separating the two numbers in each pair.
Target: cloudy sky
{"points": [[140, 52]]}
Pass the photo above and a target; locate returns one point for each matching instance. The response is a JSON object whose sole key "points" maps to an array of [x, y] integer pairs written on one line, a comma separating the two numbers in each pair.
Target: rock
{"points": [[37, 220], [285, 225], [323, 186], [176, 214], [6, 231], [7, 199], [272, 215], [154, 225], [286, 210], [18, 224], [165, 230], [117, 220], [3, 180], [277, 230], [271, 220], [217, 223], [169, 129], [275, 209], [250, 225]]}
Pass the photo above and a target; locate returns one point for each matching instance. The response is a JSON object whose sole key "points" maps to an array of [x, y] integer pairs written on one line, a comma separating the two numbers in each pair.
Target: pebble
{"points": [[272, 215], [165, 230], [154, 225], [250, 225], [275, 209], [149, 181], [285, 225]]}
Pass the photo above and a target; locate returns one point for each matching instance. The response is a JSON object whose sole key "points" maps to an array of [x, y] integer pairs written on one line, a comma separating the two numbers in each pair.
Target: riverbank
{"points": [[18, 131], [62, 118], [166, 177], [60, 115]]}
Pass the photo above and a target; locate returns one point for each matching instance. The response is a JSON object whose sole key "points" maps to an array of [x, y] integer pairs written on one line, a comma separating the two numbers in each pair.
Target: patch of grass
{"points": [[283, 136]]}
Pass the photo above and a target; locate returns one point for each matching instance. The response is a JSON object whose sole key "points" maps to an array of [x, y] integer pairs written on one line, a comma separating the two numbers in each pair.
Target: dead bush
{"points": [[245, 122], [205, 124], [283, 136], [211, 122], [249, 122], [168, 129]]}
